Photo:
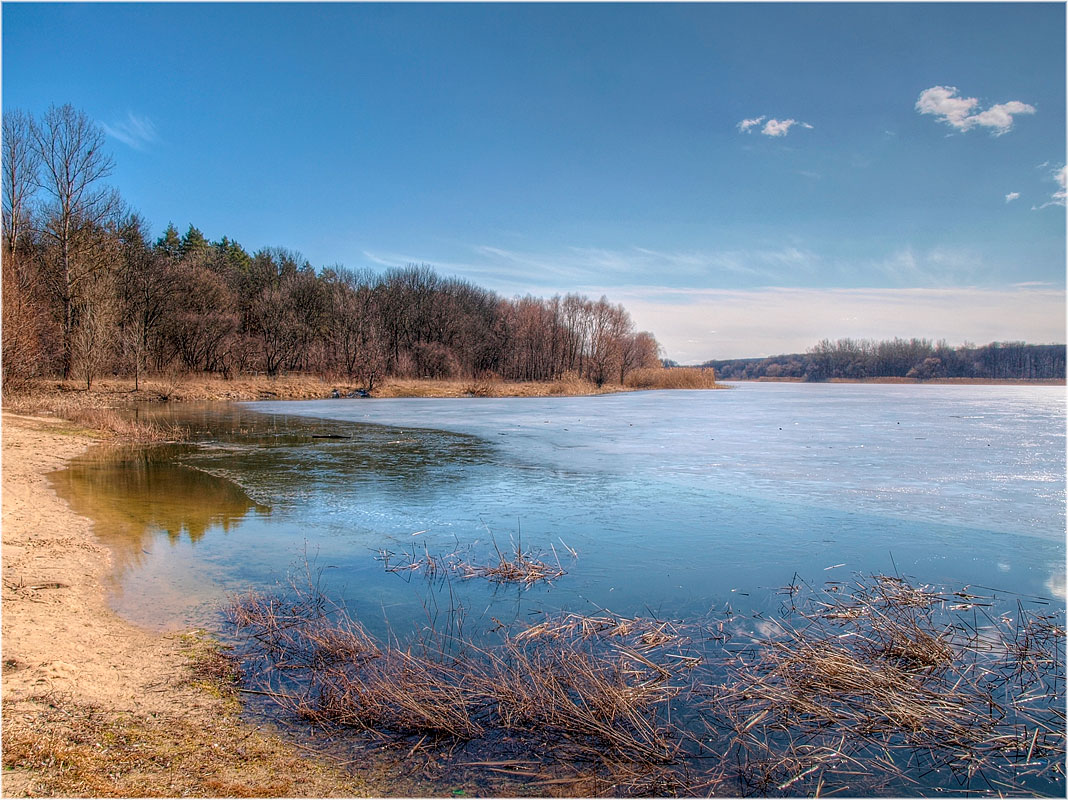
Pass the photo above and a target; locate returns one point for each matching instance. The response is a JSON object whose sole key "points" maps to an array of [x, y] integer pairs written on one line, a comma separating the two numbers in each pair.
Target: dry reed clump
{"points": [[894, 688], [303, 631], [881, 687], [119, 426], [515, 566], [589, 701], [673, 378], [592, 698], [571, 383]]}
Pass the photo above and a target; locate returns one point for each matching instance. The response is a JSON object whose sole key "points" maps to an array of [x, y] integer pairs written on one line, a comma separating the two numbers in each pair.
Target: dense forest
{"points": [[901, 358], [87, 292]]}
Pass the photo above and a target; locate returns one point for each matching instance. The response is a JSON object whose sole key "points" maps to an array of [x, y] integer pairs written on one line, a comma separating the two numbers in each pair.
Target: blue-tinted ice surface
{"points": [[676, 502]]}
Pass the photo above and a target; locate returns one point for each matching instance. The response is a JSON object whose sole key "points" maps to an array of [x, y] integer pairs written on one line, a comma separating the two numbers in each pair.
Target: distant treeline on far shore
{"points": [[856, 359]]}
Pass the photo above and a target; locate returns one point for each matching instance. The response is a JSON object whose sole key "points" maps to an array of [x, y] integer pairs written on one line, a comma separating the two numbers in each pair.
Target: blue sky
{"points": [[900, 173]]}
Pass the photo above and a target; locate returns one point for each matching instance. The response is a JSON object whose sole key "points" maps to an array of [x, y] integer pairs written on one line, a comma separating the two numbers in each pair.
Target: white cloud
{"points": [[746, 124], [773, 127], [999, 116], [942, 103], [776, 127], [135, 131], [1012, 196], [947, 106]]}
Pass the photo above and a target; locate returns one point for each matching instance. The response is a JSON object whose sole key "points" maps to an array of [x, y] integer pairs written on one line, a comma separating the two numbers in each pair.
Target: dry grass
{"points": [[92, 413], [882, 687], [119, 392], [56, 745], [569, 385], [673, 378], [70, 749]]}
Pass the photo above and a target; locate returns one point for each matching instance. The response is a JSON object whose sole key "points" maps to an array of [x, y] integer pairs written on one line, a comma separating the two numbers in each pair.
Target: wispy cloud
{"points": [[699, 324], [943, 103], [1012, 196], [135, 131], [936, 266], [695, 322], [773, 127], [1058, 197], [593, 270], [745, 125], [1060, 194], [512, 271]]}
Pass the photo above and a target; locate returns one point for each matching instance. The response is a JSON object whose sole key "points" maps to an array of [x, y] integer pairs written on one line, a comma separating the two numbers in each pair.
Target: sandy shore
{"points": [[93, 705]]}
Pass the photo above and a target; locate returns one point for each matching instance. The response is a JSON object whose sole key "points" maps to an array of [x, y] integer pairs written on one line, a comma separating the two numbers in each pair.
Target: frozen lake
{"points": [[675, 502]]}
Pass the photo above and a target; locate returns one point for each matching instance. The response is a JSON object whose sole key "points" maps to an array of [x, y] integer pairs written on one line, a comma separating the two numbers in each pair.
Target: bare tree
{"points": [[22, 162], [22, 315], [93, 337], [73, 166], [144, 285], [637, 351]]}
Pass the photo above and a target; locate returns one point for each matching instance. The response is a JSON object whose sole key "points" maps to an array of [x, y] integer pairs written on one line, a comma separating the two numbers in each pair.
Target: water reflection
{"points": [[135, 494], [283, 457]]}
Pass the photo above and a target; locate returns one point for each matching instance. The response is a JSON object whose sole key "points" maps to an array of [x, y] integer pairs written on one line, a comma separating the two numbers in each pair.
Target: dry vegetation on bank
{"points": [[91, 414], [70, 399]]}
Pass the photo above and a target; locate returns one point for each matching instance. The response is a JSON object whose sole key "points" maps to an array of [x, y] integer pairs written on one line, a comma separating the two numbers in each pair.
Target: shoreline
{"points": [[915, 381], [119, 392], [93, 705]]}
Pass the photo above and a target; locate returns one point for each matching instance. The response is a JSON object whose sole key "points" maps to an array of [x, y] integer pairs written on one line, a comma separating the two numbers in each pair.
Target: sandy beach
{"points": [[93, 705]]}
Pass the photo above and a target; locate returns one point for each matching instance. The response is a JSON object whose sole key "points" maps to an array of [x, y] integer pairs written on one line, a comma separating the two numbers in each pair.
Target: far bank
{"points": [[917, 381]]}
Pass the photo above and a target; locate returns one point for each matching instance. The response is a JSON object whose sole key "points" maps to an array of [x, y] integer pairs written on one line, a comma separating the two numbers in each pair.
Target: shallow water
{"points": [[676, 503]]}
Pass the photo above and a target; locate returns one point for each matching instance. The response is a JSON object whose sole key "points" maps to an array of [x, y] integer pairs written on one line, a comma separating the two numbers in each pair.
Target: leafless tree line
{"points": [[903, 358], [87, 292]]}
